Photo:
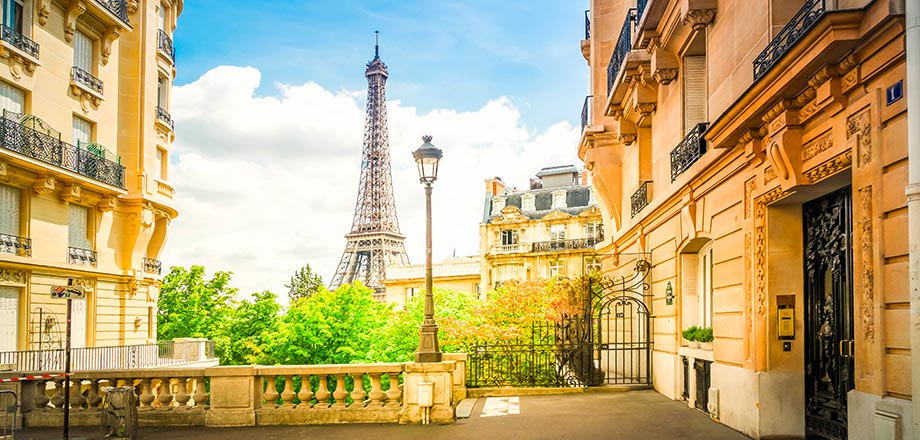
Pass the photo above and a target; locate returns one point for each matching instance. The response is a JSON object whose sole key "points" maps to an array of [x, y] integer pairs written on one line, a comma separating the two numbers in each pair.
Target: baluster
{"points": [[93, 399], [322, 392], [394, 393], [145, 396], [340, 393], [306, 394], [165, 394], [357, 393], [41, 394], [271, 394], [58, 398], [287, 395], [200, 397], [377, 395], [183, 396]]}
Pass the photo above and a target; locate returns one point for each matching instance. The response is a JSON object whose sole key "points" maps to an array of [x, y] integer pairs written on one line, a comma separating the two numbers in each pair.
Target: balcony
{"points": [[81, 256], [517, 248], [153, 266], [639, 198], [567, 245], [588, 24], [586, 112], [802, 22], [19, 41], [13, 245], [28, 135], [165, 44], [85, 80], [118, 8], [686, 153], [624, 45], [164, 118]]}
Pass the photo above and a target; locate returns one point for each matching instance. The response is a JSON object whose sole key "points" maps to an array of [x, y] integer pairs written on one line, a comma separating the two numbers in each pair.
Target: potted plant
{"points": [[705, 337], [690, 336]]}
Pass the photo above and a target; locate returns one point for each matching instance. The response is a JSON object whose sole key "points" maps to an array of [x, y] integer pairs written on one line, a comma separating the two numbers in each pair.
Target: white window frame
{"points": [[10, 210], [509, 237], [559, 199], [10, 304], [498, 203], [555, 267], [12, 98], [83, 52], [593, 264], [557, 232], [528, 202], [74, 220], [161, 161], [705, 290]]}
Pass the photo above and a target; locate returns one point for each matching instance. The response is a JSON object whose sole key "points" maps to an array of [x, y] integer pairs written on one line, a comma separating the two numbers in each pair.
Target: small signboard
{"points": [[894, 93], [67, 292]]}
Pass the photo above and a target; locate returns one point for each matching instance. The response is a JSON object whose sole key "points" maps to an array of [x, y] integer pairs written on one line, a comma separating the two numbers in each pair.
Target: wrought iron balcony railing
{"points": [[81, 256], [16, 136], [87, 79], [639, 198], [563, 245], [586, 112], [153, 266], [688, 150], [11, 244], [624, 45], [640, 9], [163, 116], [19, 41], [165, 44], [798, 26], [117, 7], [588, 24]]}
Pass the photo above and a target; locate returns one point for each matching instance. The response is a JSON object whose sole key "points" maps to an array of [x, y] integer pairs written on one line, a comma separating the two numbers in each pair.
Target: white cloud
{"points": [[265, 185]]}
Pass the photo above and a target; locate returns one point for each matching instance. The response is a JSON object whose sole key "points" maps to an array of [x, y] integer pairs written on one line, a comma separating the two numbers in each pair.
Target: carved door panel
{"points": [[828, 314]]}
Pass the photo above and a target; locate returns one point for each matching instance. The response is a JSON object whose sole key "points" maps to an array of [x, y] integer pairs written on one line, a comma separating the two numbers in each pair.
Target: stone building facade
{"points": [[85, 141], [757, 151], [404, 282], [548, 230]]}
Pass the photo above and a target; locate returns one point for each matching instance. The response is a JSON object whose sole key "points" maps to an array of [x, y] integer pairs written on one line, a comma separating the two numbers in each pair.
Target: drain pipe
{"points": [[912, 37]]}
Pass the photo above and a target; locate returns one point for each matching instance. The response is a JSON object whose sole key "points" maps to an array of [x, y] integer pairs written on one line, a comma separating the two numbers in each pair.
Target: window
{"points": [[11, 98], [9, 318], [410, 293], [527, 202], [162, 90], [594, 230], [83, 52], [498, 203], [9, 210], [705, 289], [555, 268], [592, 264], [82, 131], [78, 227], [161, 18], [161, 164], [13, 14], [78, 323], [559, 199], [557, 232], [509, 237]]}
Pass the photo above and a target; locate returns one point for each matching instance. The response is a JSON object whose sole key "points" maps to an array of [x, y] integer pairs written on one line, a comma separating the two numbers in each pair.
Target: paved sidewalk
{"points": [[592, 415]]}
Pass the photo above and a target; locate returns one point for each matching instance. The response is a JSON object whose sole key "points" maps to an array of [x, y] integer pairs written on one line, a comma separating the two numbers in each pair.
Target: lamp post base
{"points": [[428, 349]]}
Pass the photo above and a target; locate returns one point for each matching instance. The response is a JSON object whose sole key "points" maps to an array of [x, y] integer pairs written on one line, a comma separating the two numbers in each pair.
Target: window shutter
{"points": [[83, 51], [695, 95], [9, 318], [77, 227], [9, 210], [78, 323], [11, 98]]}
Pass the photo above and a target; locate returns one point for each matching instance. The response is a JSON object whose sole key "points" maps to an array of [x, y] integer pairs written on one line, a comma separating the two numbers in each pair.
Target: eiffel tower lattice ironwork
{"points": [[374, 241]]}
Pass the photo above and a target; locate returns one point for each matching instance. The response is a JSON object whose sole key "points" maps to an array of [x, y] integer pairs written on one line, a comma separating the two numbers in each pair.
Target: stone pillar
{"points": [[441, 375], [458, 376], [912, 22], [236, 394]]}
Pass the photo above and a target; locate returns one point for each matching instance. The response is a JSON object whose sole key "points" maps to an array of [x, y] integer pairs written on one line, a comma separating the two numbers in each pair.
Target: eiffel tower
{"points": [[374, 241]]}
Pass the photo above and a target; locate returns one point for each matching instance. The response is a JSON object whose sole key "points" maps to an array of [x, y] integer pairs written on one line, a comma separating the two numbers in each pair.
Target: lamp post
{"points": [[427, 157]]}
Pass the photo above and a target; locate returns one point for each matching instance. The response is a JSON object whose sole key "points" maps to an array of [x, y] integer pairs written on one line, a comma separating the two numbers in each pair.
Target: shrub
{"points": [[704, 335], [690, 333]]}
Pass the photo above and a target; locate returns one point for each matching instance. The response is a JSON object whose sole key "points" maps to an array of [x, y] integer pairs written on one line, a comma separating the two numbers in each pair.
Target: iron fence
{"points": [[165, 43], [152, 265], [639, 199], [11, 244], [586, 112], [802, 22], [117, 7], [624, 45], [686, 153], [588, 24], [81, 256], [571, 244], [160, 354], [165, 117], [87, 79], [19, 41]]}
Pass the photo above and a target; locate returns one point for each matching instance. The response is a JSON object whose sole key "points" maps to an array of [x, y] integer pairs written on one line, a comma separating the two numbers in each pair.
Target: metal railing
{"points": [[586, 112], [691, 148], [81, 256], [165, 117], [152, 265], [117, 7], [28, 141], [624, 45], [640, 9], [588, 24], [160, 354], [165, 43], [570, 244], [812, 11], [19, 41], [639, 198], [11, 244], [87, 79]]}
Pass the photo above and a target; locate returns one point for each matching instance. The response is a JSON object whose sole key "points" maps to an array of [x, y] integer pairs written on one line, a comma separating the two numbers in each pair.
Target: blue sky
{"points": [[441, 54]]}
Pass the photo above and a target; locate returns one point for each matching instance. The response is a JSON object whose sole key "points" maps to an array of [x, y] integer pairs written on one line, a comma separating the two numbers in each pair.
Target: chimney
{"points": [[495, 186], [536, 183], [584, 177]]}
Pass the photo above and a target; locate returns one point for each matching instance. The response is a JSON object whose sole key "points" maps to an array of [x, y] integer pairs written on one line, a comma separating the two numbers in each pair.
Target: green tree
{"points": [[304, 283], [192, 307], [250, 329]]}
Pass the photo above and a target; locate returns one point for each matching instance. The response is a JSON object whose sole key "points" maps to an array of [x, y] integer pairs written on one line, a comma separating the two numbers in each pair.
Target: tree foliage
{"points": [[192, 307], [304, 283]]}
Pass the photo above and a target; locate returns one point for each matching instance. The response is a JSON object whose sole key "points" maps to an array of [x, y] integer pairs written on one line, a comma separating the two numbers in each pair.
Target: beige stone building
{"points": [[85, 141], [757, 151], [545, 231], [460, 274]]}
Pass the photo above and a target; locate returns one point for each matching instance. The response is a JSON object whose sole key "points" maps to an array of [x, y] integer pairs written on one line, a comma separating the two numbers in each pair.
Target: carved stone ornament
{"points": [[86, 98], [829, 168], [627, 138], [616, 114], [646, 108], [74, 10], [43, 185], [71, 193], [87, 284], [42, 7], [132, 6], [109, 37], [860, 126], [699, 18], [769, 174], [106, 204], [867, 275], [815, 146], [12, 277], [4, 171], [749, 186], [760, 246], [18, 64], [665, 76], [147, 217]]}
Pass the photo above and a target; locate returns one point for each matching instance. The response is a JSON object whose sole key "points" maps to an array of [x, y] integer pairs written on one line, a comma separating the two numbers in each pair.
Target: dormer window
{"points": [[559, 199], [498, 203], [527, 202]]}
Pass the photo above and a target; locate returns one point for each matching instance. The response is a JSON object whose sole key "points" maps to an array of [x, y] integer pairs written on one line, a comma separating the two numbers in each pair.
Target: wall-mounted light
{"points": [[669, 294]]}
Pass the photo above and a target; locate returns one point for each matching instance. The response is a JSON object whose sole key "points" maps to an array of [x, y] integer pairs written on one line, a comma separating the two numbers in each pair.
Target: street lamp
{"points": [[427, 157]]}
